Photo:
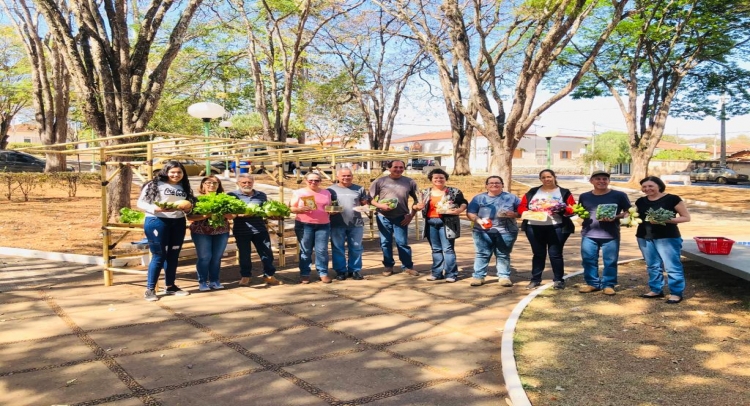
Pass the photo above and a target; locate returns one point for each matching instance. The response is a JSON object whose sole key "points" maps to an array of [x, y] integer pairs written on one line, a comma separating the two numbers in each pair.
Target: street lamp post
{"points": [[206, 111], [226, 124], [722, 103], [548, 133]]}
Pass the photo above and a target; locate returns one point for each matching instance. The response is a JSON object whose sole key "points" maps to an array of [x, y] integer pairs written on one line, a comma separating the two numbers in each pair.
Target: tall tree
{"points": [[108, 48], [330, 113], [611, 149], [15, 84], [672, 54], [482, 47], [50, 80], [379, 59], [279, 33]]}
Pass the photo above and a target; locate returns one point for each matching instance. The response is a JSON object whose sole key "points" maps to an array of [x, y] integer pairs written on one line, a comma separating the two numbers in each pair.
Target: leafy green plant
{"points": [[276, 209], [130, 216], [217, 205]]}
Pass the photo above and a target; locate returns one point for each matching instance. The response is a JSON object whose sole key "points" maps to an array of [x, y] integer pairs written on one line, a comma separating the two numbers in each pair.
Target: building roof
{"points": [[447, 134]]}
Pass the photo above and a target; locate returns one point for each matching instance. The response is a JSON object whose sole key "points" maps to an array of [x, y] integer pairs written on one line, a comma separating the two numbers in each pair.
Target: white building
{"points": [[529, 157]]}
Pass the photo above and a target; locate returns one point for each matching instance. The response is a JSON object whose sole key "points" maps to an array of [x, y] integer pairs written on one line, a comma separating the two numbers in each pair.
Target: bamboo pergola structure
{"points": [[139, 150]]}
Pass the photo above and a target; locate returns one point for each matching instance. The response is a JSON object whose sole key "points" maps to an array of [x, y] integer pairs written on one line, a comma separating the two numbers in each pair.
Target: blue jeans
{"points": [[390, 229], [544, 240], [352, 237], [165, 238], [262, 243], [313, 237], [443, 252], [663, 254], [485, 244], [590, 260], [210, 249]]}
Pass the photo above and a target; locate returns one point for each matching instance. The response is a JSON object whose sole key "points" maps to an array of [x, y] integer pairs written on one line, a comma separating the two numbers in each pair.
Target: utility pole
{"points": [[723, 156], [593, 147]]}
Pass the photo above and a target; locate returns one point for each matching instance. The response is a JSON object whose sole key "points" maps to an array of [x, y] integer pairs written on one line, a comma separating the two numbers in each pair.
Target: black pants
{"points": [[543, 240]]}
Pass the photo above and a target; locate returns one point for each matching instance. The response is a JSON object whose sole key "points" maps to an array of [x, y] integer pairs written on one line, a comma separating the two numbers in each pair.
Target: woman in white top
{"points": [[165, 227]]}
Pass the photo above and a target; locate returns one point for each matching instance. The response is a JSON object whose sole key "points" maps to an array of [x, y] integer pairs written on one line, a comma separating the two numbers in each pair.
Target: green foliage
{"points": [[70, 181], [694, 46], [130, 216], [330, 110], [610, 148], [687, 154], [276, 209], [26, 182], [217, 205], [250, 126], [19, 145], [247, 126]]}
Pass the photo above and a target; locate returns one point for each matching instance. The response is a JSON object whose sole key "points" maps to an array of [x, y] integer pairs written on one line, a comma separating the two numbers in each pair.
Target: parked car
{"points": [[16, 161], [419, 164], [192, 167], [718, 175]]}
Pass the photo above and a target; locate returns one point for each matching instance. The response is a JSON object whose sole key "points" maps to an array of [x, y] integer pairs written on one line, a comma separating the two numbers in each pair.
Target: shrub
{"points": [[70, 181]]}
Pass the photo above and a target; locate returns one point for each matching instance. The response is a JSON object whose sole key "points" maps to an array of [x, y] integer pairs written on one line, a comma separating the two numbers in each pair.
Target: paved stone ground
{"points": [[66, 339]]}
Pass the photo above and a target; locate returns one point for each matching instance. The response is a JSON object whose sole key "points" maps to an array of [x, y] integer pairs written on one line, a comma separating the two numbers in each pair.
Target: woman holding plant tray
{"points": [[441, 205], [165, 199], [210, 233], [545, 211], [312, 227], [495, 231], [659, 238]]}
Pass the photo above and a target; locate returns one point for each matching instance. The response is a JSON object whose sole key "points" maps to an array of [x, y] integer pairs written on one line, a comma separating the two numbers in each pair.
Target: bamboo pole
{"points": [[106, 234]]}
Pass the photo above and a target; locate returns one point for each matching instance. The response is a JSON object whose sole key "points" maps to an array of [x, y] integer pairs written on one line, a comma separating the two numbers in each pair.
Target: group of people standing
{"points": [[165, 229], [334, 216]]}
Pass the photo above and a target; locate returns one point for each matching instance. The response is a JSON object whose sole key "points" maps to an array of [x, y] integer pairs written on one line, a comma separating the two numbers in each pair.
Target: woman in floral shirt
{"points": [[547, 233], [210, 242], [441, 205]]}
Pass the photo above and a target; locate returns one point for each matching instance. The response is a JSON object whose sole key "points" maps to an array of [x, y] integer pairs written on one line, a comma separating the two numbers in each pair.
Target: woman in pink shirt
{"points": [[312, 227]]}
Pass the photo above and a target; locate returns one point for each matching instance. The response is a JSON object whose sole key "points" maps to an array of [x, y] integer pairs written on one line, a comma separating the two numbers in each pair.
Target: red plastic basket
{"points": [[714, 245]]}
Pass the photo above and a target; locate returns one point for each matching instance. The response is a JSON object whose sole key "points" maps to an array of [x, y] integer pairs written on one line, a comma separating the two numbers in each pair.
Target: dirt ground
{"points": [[591, 349]]}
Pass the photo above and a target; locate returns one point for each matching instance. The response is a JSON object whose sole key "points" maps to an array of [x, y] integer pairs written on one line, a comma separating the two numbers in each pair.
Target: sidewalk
{"points": [[384, 340]]}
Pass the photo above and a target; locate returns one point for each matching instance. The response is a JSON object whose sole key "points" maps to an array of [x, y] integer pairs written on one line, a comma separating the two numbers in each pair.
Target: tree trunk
{"points": [[639, 166], [462, 151], [116, 198], [4, 129]]}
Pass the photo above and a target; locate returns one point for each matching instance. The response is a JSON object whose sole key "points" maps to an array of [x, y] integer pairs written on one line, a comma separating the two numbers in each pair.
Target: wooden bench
{"points": [[737, 263]]}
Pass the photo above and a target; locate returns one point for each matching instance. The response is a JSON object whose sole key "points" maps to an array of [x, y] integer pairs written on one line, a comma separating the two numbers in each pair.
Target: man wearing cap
{"points": [[601, 234]]}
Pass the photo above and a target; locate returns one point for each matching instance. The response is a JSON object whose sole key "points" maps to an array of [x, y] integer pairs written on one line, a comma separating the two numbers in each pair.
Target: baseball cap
{"points": [[597, 173]]}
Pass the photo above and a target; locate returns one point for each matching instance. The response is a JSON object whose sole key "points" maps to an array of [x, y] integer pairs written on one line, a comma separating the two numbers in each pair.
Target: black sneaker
{"points": [[341, 276], [559, 285], [175, 290], [357, 276], [150, 295], [533, 285]]}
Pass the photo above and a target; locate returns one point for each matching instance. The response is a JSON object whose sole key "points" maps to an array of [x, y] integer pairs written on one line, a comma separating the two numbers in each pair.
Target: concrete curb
{"points": [[507, 356], [53, 256]]}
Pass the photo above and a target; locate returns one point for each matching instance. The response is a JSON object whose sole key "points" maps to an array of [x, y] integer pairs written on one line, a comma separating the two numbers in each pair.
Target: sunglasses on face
{"points": [[314, 180], [210, 183]]}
